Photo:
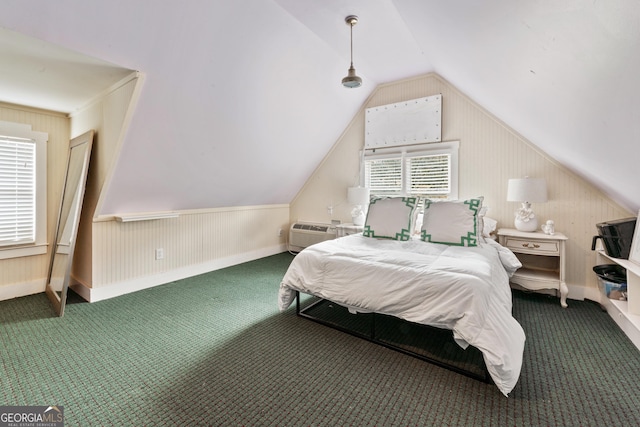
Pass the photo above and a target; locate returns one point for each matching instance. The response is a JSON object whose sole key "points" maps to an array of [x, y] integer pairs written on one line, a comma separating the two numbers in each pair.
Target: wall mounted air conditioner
{"points": [[304, 234]]}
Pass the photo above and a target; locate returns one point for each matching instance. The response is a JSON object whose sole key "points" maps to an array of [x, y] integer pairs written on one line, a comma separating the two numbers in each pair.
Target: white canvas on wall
{"points": [[415, 121]]}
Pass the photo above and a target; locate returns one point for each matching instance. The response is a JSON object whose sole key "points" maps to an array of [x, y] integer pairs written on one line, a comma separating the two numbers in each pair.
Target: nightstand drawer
{"points": [[533, 246], [542, 257]]}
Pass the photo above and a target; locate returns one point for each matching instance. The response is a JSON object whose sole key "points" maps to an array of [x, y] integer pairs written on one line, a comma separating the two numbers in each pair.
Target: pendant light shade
{"points": [[352, 80]]}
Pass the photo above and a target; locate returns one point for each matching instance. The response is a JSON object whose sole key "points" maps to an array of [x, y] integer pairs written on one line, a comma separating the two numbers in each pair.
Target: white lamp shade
{"points": [[358, 196], [532, 190]]}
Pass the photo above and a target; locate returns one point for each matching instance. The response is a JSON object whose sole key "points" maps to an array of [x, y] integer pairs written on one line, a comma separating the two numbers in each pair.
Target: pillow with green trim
{"points": [[452, 223], [390, 217]]}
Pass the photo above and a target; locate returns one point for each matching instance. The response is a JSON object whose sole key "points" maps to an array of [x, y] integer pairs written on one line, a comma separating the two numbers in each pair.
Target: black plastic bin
{"points": [[612, 280], [616, 236]]}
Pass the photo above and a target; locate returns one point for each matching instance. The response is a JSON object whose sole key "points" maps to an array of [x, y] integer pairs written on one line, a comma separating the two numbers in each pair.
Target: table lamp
{"points": [[359, 198], [526, 190]]}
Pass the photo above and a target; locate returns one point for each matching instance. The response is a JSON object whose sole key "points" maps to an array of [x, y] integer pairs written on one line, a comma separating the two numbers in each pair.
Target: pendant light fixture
{"points": [[352, 80]]}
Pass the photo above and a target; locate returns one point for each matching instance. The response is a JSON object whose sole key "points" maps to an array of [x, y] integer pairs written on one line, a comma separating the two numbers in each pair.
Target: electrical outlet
{"points": [[279, 232], [159, 253]]}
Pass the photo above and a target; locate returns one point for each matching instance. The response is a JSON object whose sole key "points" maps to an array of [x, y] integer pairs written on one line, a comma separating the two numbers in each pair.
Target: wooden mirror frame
{"points": [[64, 243]]}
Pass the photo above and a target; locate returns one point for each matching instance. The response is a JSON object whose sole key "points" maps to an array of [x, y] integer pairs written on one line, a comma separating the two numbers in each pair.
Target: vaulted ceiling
{"points": [[242, 99]]}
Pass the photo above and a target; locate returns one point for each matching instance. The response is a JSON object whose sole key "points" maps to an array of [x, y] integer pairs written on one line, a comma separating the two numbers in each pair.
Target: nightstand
{"points": [[542, 257], [347, 229]]}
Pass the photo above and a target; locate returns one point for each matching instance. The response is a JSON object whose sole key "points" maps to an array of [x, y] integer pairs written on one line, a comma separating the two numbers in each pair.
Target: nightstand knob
{"points": [[529, 245]]}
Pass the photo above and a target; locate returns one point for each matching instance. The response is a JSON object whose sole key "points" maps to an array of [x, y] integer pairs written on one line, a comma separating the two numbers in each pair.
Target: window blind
{"points": [[421, 175], [17, 191], [384, 176], [429, 175]]}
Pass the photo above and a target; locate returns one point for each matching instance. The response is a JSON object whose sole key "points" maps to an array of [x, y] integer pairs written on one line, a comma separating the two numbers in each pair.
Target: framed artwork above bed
{"points": [[415, 121]]}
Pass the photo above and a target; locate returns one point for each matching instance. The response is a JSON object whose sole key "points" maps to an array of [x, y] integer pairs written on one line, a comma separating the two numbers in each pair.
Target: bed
{"points": [[461, 286]]}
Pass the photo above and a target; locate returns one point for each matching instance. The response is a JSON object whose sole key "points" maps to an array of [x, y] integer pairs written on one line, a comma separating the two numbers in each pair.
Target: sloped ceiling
{"points": [[242, 99]]}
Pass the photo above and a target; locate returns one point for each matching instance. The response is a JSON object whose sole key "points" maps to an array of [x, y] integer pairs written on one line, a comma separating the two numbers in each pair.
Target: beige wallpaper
{"points": [[108, 117], [490, 154], [24, 276]]}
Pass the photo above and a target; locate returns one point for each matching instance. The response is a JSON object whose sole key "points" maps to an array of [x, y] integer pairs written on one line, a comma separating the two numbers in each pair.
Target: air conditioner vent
{"points": [[311, 227], [304, 234]]}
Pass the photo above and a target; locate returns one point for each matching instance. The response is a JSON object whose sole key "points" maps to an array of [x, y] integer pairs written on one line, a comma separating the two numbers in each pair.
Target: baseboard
{"points": [[138, 284], [17, 290], [629, 323]]}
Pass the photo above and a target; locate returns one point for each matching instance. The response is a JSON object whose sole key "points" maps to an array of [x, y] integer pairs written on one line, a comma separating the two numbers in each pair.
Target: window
{"points": [[429, 175], [23, 203], [428, 170]]}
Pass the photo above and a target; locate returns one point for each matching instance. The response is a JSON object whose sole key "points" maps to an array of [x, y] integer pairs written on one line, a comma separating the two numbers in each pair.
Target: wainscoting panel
{"points": [[124, 253]]}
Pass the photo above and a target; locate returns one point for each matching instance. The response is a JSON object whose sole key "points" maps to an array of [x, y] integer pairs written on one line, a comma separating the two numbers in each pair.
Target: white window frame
{"points": [[39, 246], [405, 152]]}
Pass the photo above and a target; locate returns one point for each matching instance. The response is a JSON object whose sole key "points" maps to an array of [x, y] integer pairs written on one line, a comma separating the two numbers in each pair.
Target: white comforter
{"points": [[458, 288]]}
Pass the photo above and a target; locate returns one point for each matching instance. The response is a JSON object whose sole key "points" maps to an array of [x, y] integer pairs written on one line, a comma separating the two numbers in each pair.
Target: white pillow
{"points": [[390, 217], [452, 223], [489, 227]]}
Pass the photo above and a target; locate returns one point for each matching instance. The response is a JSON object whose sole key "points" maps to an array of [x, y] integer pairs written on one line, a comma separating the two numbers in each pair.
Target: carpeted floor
{"points": [[213, 350]]}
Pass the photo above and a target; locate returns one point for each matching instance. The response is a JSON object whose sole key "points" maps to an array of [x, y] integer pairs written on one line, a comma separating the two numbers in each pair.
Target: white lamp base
{"points": [[530, 225], [358, 219], [358, 215]]}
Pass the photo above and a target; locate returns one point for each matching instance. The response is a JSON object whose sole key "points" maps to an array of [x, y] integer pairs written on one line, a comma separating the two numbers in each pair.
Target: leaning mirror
{"points": [[68, 220]]}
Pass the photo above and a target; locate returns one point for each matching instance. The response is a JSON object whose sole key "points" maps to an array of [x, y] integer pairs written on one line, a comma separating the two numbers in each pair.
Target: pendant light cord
{"points": [[351, 25]]}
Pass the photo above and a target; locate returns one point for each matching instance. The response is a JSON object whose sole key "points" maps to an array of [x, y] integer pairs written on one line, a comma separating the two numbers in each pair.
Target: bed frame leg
{"points": [[373, 326]]}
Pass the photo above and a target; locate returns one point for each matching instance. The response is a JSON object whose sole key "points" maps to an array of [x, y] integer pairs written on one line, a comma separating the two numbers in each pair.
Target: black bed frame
{"points": [[370, 333]]}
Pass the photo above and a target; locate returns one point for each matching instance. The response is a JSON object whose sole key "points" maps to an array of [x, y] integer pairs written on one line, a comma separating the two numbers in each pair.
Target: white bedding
{"points": [[465, 289]]}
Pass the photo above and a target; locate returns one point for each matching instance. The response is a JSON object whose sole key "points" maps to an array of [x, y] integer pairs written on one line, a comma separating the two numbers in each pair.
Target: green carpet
{"points": [[213, 350], [432, 344]]}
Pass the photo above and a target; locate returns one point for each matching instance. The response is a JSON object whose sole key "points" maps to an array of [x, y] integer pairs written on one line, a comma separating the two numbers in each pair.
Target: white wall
{"points": [[115, 258], [490, 154], [108, 116], [119, 257]]}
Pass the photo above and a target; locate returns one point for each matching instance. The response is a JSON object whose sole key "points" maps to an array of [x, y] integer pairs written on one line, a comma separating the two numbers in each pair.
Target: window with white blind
{"points": [[23, 225], [429, 170]]}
